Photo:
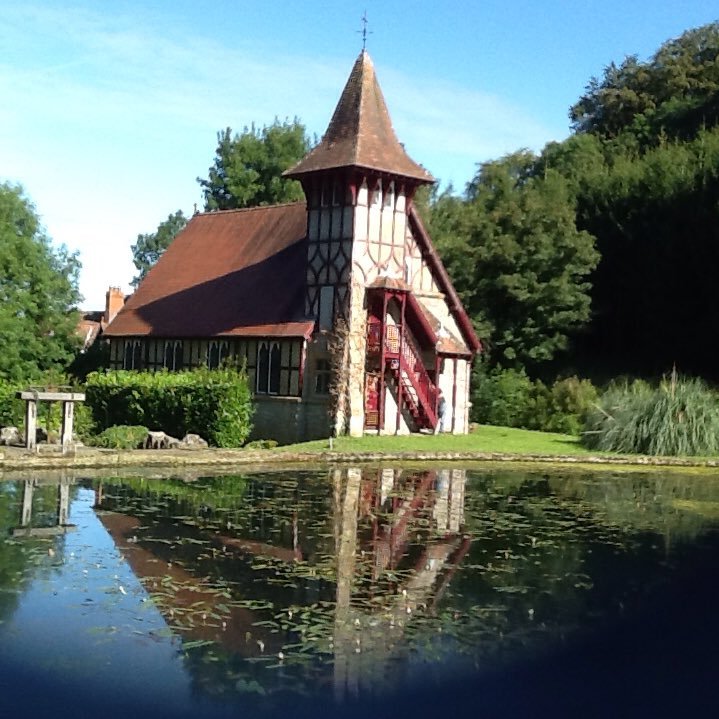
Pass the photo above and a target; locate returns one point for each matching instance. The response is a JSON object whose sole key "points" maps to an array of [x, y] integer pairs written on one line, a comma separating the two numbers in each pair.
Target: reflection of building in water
{"points": [[395, 538], [60, 526]]}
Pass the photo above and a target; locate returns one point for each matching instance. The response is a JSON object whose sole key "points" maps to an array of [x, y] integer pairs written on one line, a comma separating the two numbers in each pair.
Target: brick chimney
{"points": [[114, 300]]}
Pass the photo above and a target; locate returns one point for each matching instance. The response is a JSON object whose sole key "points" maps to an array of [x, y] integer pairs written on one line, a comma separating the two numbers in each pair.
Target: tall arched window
{"points": [[263, 368], [132, 357], [275, 368], [173, 355]]}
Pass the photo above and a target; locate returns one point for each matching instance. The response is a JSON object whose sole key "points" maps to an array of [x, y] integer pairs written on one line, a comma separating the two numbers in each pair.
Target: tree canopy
{"points": [[38, 293], [517, 259], [676, 92], [248, 167], [149, 247]]}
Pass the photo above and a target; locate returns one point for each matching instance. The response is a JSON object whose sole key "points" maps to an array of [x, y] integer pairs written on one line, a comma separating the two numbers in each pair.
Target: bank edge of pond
{"points": [[14, 461]]}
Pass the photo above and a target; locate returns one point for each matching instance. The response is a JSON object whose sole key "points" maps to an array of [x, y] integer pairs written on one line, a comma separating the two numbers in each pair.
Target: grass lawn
{"points": [[483, 439]]}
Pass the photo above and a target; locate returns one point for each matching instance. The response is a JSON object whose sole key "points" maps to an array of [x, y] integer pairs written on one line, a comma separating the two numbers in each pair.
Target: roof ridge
{"points": [[250, 209]]}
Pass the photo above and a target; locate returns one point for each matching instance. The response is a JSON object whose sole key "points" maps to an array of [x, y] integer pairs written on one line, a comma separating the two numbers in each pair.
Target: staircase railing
{"points": [[411, 364]]}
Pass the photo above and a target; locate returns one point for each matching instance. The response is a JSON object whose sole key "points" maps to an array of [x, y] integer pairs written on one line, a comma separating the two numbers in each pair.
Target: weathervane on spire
{"points": [[364, 30]]}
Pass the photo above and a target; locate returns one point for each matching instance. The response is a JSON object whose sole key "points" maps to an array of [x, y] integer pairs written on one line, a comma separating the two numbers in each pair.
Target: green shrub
{"points": [[570, 401], [508, 398], [502, 397], [680, 417], [12, 409], [121, 437], [216, 404]]}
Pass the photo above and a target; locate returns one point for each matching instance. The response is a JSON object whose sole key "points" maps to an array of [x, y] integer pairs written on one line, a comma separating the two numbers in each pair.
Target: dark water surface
{"points": [[342, 588]]}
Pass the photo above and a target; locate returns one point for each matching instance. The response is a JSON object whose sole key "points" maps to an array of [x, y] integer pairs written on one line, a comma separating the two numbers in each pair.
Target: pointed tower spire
{"points": [[360, 133]]}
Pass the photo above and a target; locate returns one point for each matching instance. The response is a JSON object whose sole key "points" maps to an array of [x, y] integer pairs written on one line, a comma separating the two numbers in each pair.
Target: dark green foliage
{"points": [[93, 359], [216, 404], [517, 259], [38, 293], [12, 412], [680, 417], [570, 400], [121, 437], [675, 92], [248, 167], [150, 247], [509, 398]]}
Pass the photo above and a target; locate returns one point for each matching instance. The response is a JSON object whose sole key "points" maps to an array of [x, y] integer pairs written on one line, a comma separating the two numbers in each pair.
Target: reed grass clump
{"points": [[680, 417]]}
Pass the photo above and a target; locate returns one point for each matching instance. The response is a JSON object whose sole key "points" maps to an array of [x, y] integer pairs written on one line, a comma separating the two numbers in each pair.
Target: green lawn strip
{"points": [[504, 440]]}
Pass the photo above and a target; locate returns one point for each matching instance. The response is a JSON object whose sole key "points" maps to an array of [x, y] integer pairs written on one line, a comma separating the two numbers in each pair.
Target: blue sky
{"points": [[110, 110]]}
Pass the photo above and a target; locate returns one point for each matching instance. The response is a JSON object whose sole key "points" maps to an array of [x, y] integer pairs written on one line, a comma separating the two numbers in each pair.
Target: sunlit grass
{"points": [[503, 440]]}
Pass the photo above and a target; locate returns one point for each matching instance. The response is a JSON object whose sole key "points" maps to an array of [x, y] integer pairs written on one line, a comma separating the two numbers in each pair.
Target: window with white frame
{"points": [[277, 370], [132, 357], [217, 352], [172, 359]]}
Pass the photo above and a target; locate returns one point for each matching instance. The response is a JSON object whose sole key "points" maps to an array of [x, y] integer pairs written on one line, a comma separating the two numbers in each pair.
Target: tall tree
{"points": [[149, 247], [38, 293], [675, 92], [248, 167], [517, 259]]}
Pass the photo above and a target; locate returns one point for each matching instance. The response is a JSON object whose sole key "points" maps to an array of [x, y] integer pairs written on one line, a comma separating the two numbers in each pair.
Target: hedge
{"points": [[216, 404]]}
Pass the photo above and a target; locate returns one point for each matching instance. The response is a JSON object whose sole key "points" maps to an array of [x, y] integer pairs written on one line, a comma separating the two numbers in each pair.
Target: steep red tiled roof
{"points": [[360, 133], [229, 273]]}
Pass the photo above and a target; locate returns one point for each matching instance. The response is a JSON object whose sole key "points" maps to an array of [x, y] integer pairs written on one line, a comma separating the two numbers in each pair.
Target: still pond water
{"points": [[192, 594]]}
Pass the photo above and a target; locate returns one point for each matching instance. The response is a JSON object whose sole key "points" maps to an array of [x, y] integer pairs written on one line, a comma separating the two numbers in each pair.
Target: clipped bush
{"points": [[216, 404], [509, 398], [680, 417], [121, 437]]}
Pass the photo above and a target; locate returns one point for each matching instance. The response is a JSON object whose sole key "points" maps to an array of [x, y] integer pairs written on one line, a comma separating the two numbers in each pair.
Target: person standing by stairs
{"points": [[441, 407]]}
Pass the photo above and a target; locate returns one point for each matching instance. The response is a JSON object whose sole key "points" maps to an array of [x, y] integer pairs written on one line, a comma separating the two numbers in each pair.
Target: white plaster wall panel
{"points": [[360, 223], [362, 194], [400, 202], [399, 228], [390, 416], [386, 225], [373, 228]]}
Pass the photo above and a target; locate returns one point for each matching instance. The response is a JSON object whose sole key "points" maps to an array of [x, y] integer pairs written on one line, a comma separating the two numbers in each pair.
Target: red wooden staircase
{"points": [[416, 391]]}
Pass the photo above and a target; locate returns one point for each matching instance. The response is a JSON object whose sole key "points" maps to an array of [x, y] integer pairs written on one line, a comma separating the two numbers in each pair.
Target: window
{"points": [[336, 194], [216, 353], [376, 198], [322, 376], [132, 358], [268, 368], [389, 195], [278, 367], [173, 355]]}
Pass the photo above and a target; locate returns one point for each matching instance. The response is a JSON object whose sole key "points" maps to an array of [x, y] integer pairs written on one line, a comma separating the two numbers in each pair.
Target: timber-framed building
{"points": [[339, 307]]}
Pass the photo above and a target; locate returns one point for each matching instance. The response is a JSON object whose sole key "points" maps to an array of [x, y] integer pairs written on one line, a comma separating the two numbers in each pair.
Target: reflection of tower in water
{"points": [[398, 541]]}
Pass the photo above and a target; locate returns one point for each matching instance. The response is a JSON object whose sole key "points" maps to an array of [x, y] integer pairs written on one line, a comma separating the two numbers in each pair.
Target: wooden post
{"points": [[27, 502], [63, 500], [30, 423], [68, 413]]}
